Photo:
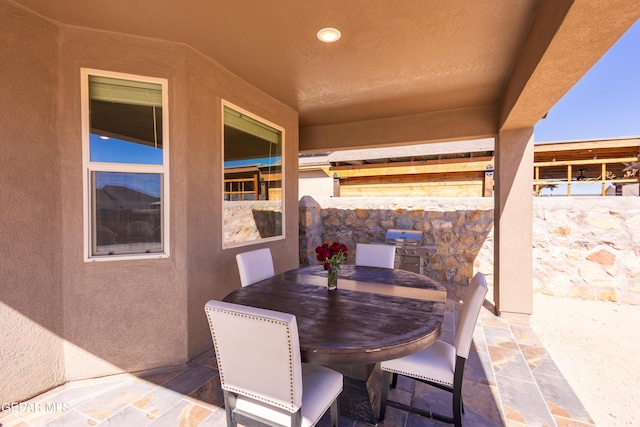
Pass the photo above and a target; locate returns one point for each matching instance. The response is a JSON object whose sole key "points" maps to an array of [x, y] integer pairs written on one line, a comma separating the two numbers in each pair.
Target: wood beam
{"points": [[587, 162], [587, 145], [470, 123], [441, 166]]}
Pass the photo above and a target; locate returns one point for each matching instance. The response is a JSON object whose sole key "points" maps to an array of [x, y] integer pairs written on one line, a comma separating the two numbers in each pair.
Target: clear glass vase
{"points": [[332, 278]]}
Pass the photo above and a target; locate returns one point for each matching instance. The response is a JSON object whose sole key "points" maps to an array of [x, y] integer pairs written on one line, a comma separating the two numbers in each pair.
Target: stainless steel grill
{"points": [[411, 253]]}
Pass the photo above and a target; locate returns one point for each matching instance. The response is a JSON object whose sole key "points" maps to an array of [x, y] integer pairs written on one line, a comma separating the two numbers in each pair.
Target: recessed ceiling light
{"points": [[329, 35]]}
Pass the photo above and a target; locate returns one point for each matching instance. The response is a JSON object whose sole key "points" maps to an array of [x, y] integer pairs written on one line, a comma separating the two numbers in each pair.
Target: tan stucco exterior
{"points": [[63, 318], [31, 311], [440, 71], [513, 223]]}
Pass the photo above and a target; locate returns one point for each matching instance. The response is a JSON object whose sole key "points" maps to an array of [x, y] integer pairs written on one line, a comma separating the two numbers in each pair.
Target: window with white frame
{"points": [[253, 201], [126, 161]]}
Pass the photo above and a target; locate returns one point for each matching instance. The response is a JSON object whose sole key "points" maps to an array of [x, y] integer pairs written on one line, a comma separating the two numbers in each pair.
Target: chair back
{"points": [[375, 255], [255, 265], [258, 353], [471, 305]]}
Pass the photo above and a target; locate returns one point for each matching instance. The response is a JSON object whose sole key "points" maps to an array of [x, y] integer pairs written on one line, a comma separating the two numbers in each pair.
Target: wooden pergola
{"points": [[419, 171], [604, 162]]}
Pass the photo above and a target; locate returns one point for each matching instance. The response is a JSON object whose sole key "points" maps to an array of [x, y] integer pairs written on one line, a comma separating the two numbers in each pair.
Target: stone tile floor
{"points": [[510, 381]]}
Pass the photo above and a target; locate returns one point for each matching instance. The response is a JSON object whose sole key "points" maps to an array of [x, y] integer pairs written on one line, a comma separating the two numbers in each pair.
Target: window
{"points": [[126, 166], [253, 202]]}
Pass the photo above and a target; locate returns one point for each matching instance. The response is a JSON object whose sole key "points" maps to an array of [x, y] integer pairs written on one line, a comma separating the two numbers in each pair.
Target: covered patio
{"points": [[510, 380], [417, 71]]}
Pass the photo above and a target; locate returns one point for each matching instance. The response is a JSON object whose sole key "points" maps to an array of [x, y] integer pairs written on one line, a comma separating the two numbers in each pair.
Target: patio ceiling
{"points": [[491, 64]]}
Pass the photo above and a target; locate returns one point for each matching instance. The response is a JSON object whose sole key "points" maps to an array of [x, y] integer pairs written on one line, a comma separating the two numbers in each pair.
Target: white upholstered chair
{"points": [[441, 364], [255, 265], [263, 379], [375, 255]]}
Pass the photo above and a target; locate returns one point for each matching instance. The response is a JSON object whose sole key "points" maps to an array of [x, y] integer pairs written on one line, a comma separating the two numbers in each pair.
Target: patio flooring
{"points": [[510, 380]]}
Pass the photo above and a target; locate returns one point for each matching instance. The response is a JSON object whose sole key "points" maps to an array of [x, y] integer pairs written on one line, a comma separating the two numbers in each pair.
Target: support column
{"points": [[487, 186], [513, 224], [336, 185]]}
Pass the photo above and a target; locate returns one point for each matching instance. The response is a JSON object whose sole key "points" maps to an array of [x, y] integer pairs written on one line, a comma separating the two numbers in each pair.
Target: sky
{"points": [[605, 103], [119, 151]]}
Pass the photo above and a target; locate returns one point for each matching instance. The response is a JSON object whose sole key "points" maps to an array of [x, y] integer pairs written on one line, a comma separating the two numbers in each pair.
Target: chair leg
{"points": [[229, 405], [458, 408], [335, 413], [456, 390], [383, 393], [394, 380], [296, 418]]}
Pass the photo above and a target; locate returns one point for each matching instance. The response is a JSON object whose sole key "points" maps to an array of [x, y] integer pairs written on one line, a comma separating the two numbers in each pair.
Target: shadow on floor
{"points": [[510, 380]]}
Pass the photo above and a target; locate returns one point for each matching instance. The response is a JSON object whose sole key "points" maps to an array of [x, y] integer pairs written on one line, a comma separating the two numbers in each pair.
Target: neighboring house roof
{"points": [[612, 147], [120, 197], [399, 154]]}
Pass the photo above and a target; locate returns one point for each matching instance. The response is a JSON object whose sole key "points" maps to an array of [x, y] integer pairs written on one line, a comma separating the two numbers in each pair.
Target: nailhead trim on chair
{"points": [[291, 407], [422, 377]]}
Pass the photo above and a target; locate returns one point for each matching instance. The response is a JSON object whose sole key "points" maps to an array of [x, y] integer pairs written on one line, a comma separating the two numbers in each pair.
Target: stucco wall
{"points": [[31, 355], [135, 315], [119, 315], [211, 271], [583, 247], [63, 318]]}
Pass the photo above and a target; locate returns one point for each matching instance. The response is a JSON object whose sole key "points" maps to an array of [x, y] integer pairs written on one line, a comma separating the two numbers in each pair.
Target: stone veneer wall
{"points": [[583, 247], [252, 220]]}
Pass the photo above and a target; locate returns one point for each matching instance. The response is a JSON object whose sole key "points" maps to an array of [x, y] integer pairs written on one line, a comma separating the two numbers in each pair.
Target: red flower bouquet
{"points": [[332, 256]]}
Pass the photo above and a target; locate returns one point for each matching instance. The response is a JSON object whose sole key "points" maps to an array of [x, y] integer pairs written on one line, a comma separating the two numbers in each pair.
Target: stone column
{"points": [[310, 230], [513, 224]]}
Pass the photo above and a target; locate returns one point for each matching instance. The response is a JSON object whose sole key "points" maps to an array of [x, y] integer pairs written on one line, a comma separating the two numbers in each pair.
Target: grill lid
{"points": [[404, 237]]}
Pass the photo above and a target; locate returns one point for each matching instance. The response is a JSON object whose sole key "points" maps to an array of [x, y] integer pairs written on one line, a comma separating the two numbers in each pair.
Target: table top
{"points": [[375, 314]]}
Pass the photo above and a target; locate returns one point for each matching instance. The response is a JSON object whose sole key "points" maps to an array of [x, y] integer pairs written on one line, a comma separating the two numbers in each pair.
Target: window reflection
{"points": [[126, 121], [127, 167], [127, 214], [252, 190], [106, 149]]}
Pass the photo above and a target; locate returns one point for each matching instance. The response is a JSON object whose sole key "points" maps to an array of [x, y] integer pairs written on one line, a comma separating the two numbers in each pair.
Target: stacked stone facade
{"points": [[583, 247], [588, 247]]}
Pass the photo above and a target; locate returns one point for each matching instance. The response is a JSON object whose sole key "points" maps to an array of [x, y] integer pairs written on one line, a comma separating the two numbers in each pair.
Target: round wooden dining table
{"points": [[375, 314]]}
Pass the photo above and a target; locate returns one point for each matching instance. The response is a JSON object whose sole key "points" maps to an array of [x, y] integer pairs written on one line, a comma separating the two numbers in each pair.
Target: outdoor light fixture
{"points": [[328, 35]]}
